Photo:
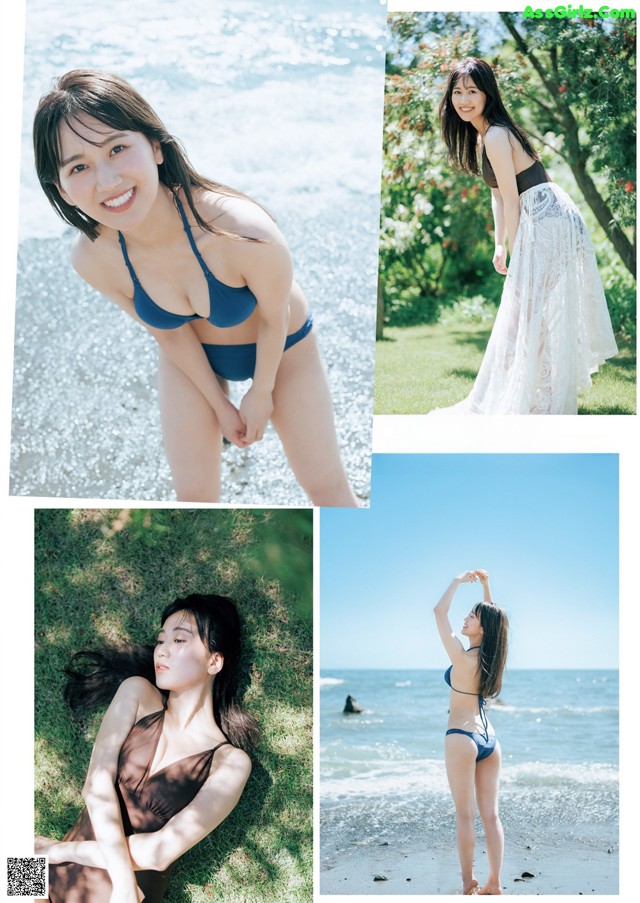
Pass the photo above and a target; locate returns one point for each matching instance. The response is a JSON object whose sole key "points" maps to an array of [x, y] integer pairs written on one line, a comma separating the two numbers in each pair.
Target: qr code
{"points": [[27, 877]]}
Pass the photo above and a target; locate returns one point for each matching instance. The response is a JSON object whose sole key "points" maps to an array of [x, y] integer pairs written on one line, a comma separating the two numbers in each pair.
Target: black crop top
{"points": [[528, 178]]}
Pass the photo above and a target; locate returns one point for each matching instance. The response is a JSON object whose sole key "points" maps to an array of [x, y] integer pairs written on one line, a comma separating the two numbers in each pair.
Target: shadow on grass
{"points": [[478, 338], [463, 373], [611, 409], [624, 367], [103, 578]]}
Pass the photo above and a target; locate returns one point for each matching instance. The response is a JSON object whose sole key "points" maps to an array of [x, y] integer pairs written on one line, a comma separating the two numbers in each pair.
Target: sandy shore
{"points": [[560, 863]]}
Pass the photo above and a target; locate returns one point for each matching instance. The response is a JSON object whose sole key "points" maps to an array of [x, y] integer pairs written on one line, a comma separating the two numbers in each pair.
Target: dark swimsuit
{"points": [[485, 741], [228, 306], [528, 178], [147, 802]]}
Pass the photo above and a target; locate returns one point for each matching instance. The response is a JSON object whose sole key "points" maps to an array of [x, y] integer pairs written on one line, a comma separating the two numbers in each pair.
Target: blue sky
{"points": [[544, 526]]}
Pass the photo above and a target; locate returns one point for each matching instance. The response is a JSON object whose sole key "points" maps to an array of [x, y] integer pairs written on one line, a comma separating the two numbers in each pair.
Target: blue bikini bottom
{"points": [[238, 362], [485, 743]]}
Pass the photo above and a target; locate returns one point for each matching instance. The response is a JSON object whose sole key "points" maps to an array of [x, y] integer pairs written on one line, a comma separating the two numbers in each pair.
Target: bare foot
{"points": [[491, 888], [471, 887]]}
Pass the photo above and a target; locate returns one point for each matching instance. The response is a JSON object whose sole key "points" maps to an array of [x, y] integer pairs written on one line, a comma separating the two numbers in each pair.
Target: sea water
{"points": [[282, 100], [382, 771]]}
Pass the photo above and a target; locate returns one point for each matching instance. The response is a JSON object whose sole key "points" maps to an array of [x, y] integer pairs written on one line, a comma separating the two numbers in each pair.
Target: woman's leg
{"points": [[192, 436], [460, 754], [303, 418], [487, 781]]}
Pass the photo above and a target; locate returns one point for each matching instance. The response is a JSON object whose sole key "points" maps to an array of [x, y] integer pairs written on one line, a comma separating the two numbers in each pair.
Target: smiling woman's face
{"points": [[471, 625], [180, 657], [467, 99], [110, 175]]}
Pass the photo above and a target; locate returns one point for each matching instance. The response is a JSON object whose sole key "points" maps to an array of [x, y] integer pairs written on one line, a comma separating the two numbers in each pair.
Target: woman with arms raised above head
{"points": [[472, 751]]}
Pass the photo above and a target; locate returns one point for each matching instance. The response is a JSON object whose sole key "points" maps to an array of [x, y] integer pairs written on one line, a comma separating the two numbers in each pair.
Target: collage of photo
{"points": [[304, 603]]}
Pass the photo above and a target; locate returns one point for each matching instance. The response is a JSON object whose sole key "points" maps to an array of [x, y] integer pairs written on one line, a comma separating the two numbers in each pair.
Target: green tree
{"points": [[570, 83], [582, 91]]}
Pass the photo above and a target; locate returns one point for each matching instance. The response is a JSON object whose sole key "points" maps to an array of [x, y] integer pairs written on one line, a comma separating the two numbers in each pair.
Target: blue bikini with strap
{"points": [[485, 742], [228, 306]]}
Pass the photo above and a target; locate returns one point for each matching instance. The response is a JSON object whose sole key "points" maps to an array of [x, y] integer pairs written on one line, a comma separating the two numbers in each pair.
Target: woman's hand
{"points": [[467, 577], [231, 424], [255, 409], [500, 260], [483, 577]]}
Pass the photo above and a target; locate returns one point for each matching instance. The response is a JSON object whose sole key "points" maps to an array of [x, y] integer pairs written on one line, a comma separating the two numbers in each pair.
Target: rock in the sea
{"points": [[380, 878], [352, 707]]}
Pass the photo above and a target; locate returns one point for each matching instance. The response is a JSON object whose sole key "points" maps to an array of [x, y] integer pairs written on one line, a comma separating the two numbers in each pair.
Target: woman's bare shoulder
{"points": [[100, 264], [148, 696], [497, 137], [239, 215], [236, 761]]}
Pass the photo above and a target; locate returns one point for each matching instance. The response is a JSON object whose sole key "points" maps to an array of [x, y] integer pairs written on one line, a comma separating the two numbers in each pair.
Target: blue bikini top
{"points": [[228, 305], [447, 678], [481, 700]]}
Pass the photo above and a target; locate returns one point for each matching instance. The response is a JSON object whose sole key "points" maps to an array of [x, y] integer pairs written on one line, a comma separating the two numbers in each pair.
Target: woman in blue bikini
{"points": [[205, 270], [472, 752]]}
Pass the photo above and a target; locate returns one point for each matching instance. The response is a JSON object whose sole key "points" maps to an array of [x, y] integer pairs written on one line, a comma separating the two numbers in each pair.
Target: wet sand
{"points": [[560, 861]]}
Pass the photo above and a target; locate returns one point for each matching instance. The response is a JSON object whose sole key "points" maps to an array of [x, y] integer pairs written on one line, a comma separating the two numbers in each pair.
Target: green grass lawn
{"points": [[103, 576], [419, 368]]}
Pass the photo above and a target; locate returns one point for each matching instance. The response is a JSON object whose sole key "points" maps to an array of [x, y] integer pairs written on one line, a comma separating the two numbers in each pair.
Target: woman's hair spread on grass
{"points": [[94, 676], [492, 656], [461, 138], [112, 101]]}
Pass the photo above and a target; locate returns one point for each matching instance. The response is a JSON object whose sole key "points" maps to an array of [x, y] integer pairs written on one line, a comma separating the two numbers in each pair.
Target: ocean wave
{"points": [[330, 681], [566, 710]]}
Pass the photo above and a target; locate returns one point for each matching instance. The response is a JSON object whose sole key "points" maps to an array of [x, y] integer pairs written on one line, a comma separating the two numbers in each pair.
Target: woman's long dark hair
{"points": [[112, 101], [492, 656], [461, 138], [94, 676]]}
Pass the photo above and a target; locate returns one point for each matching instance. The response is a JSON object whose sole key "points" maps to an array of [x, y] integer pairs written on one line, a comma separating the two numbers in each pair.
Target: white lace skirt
{"points": [[553, 328]]}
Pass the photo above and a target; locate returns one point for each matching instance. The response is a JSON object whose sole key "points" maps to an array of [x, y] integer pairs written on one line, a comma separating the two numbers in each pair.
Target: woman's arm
{"points": [[181, 345], [500, 252], [483, 577], [498, 147], [450, 641], [269, 275], [159, 849], [99, 791]]}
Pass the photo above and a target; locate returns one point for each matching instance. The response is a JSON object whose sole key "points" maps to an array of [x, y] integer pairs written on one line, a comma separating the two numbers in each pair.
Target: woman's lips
{"points": [[162, 667], [120, 202]]}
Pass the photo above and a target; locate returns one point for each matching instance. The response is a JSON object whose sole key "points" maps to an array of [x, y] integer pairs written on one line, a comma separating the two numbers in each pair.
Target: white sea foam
{"points": [[330, 681]]}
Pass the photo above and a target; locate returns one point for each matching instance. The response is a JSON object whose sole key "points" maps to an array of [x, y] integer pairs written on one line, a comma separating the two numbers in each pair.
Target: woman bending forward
{"points": [[553, 328], [205, 270]]}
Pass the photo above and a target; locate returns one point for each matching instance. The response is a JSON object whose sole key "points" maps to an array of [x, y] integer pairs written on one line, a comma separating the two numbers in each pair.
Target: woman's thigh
{"points": [[460, 753], [192, 436], [487, 783], [303, 418]]}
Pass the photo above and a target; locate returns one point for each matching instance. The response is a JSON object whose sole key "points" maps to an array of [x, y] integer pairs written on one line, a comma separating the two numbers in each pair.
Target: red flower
{"points": [[629, 187], [562, 89]]}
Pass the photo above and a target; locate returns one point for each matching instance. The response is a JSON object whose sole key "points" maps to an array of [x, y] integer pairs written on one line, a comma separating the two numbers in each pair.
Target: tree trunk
{"points": [[576, 157]]}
